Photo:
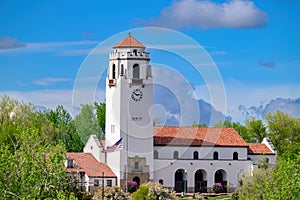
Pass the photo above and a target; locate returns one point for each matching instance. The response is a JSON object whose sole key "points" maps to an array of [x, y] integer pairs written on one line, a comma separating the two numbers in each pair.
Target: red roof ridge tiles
{"points": [[129, 41], [258, 149], [197, 136], [88, 163]]}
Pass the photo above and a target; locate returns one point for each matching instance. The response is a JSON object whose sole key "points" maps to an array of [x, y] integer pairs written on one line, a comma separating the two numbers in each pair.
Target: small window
{"points": [[122, 70], [135, 52], [155, 154], [196, 155], [161, 181], [235, 156], [91, 147], [114, 71], [112, 129], [109, 183], [136, 71], [175, 155], [70, 163], [216, 155], [96, 182], [136, 165], [267, 160]]}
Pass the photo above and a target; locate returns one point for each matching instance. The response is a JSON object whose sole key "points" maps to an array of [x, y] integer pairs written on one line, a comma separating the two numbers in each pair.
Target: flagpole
{"points": [[126, 175]]}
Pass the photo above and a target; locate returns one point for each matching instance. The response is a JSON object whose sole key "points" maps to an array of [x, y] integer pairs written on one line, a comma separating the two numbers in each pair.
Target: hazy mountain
{"points": [[289, 106], [40, 108]]}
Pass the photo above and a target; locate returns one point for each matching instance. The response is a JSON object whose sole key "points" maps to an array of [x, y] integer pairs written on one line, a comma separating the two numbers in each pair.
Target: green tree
{"points": [[33, 170], [64, 129], [87, 123], [13, 117], [284, 132], [100, 111], [281, 182], [256, 129], [198, 125]]}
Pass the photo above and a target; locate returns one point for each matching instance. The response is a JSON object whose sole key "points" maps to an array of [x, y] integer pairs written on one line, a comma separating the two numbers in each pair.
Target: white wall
{"points": [[165, 169], [92, 146], [121, 111], [206, 153], [257, 158]]}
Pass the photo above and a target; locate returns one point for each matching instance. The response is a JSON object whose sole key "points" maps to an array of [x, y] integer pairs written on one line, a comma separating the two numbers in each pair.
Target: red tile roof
{"points": [[129, 42], [88, 163], [195, 136], [256, 149]]}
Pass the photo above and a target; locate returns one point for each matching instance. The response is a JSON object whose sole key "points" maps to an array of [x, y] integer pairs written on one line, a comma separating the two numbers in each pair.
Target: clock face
{"points": [[137, 95]]}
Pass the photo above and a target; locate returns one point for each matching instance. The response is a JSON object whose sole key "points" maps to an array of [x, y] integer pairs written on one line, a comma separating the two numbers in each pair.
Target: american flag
{"points": [[116, 147]]}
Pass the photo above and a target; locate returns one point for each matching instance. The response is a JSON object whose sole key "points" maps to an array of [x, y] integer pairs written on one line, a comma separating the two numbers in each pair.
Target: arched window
{"points": [[216, 155], [235, 156], [135, 52], [122, 70], [175, 155], [114, 71], [266, 160], [136, 71], [161, 181], [155, 154], [196, 155]]}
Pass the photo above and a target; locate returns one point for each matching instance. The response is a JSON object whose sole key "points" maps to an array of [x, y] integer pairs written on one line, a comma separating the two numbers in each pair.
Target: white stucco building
{"points": [[88, 173], [180, 158]]}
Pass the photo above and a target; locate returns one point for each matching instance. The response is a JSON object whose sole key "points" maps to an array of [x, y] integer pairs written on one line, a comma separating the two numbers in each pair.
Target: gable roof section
{"points": [[87, 163], [259, 149], [196, 136], [129, 42]]}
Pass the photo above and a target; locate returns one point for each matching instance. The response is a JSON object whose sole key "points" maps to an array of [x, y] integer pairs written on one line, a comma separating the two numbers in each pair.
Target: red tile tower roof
{"points": [[195, 136], [86, 162], [129, 41], [258, 149]]}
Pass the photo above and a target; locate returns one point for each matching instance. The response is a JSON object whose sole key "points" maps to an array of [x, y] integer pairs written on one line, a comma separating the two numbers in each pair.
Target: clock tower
{"points": [[129, 92]]}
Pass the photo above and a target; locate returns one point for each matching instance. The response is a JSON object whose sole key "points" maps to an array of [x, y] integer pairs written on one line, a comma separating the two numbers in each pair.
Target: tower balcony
{"points": [[129, 55]]}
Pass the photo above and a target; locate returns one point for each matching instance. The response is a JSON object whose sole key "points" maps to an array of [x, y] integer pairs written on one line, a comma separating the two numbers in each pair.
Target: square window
{"points": [[96, 182], [109, 183]]}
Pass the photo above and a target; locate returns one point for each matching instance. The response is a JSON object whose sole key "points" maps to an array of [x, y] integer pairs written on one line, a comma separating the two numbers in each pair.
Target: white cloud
{"points": [[68, 48], [10, 43], [50, 81], [207, 14]]}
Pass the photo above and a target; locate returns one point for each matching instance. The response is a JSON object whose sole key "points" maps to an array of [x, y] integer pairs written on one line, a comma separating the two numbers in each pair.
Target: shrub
{"points": [[157, 191], [110, 193], [141, 193], [132, 186], [217, 187]]}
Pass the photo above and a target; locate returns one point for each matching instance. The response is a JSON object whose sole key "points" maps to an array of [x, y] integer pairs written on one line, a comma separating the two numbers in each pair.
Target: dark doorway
{"points": [[200, 184], [137, 180], [220, 177], [179, 183]]}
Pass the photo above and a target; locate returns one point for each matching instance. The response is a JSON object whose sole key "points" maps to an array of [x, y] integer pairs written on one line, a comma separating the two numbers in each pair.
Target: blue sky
{"points": [[255, 44]]}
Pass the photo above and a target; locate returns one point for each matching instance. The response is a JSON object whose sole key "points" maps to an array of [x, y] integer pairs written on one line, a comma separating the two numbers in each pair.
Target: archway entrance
{"points": [[137, 180], [220, 177], [200, 183], [179, 183]]}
